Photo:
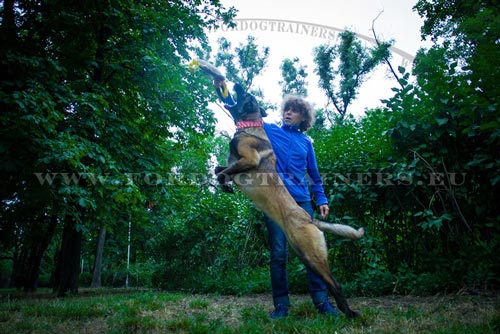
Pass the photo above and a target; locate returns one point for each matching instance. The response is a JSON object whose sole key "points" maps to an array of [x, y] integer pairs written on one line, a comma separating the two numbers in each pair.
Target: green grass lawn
{"points": [[120, 311]]}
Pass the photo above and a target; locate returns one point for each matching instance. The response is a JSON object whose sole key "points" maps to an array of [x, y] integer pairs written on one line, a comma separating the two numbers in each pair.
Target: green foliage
{"points": [[468, 31], [294, 77], [219, 242], [420, 179], [243, 63], [94, 97]]}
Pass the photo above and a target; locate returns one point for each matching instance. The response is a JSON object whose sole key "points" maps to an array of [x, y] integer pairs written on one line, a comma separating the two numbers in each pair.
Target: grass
{"points": [[126, 311]]}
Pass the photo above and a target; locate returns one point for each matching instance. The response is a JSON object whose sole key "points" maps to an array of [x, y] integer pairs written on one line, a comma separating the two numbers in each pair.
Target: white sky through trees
{"points": [[294, 28]]}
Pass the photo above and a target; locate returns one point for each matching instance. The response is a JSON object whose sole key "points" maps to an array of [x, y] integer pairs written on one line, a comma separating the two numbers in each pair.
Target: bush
{"points": [[297, 276], [85, 279], [211, 280], [115, 278], [44, 281]]}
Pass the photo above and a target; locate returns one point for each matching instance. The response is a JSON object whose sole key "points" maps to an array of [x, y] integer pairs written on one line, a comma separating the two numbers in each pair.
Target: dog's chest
{"points": [[249, 142]]}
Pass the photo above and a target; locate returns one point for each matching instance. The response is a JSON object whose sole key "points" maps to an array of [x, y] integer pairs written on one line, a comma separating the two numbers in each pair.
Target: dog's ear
{"points": [[263, 113]]}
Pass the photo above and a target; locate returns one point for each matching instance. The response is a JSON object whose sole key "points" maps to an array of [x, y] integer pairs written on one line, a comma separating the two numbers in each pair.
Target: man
{"points": [[295, 161]]}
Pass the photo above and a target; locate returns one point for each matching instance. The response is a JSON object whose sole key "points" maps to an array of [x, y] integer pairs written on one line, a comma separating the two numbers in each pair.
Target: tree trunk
{"points": [[96, 276], [67, 271], [36, 255], [8, 26], [34, 242], [18, 265]]}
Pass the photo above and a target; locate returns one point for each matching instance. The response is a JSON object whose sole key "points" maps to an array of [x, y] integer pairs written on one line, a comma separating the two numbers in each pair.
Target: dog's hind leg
{"points": [[309, 244], [336, 291], [323, 271]]}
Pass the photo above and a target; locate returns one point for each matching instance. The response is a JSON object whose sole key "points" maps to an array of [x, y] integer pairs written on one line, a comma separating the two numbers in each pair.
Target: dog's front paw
{"points": [[223, 178]]}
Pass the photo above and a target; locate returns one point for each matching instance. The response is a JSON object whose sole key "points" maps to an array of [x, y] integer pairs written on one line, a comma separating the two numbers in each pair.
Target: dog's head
{"points": [[246, 107]]}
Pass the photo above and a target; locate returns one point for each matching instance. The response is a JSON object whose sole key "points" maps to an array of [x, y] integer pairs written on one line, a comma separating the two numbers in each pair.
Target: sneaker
{"points": [[327, 308], [280, 311]]}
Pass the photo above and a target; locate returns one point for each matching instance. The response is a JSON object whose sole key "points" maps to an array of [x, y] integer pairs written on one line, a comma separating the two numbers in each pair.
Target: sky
{"points": [[294, 28]]}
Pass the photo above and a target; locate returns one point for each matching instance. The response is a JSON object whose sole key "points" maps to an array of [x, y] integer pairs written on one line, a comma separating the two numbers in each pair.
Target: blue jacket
{"points": [[295, 160]]}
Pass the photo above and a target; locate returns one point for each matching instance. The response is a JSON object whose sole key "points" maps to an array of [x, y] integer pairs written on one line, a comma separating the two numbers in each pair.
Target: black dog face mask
{"points": [[246, 104]]}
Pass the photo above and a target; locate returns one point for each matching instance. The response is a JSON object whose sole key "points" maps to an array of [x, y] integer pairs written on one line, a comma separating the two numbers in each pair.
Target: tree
{"points": [[422, 174], [97, 272], [469, 30], [294, 77], [92, 93], [445, 133], [343, 68], [244, 63]]}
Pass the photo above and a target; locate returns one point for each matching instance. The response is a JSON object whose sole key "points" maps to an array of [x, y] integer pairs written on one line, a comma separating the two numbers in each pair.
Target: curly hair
{"points": [[300, 105]]}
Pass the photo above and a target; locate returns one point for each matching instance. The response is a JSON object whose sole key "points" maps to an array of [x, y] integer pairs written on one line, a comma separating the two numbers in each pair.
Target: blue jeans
{"points": [[279, 280]]}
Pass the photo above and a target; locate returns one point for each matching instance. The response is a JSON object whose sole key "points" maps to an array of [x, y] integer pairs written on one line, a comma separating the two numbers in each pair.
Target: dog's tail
{"points": [[340, 229]]}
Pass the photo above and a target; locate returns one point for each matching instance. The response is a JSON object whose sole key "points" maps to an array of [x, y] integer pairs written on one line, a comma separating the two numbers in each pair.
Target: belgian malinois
{"points": [[252, 167]]}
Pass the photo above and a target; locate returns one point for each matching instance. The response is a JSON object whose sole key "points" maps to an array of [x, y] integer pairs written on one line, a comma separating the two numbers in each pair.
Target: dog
{"points": [[252, 167]]}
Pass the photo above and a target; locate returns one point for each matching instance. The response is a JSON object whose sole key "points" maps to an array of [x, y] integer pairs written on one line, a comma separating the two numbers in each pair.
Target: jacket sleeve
{"points": [[315, 178]]}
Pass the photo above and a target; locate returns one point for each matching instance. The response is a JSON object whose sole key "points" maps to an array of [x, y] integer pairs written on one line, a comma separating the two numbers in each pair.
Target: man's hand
{"points": [[324, 210]]}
